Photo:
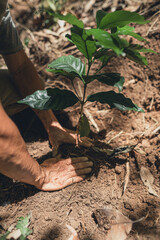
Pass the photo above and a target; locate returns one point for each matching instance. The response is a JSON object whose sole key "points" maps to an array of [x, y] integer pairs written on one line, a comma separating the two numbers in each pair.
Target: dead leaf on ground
{"points": [[14, 235], [126, 180], [74, 235], [89, 5], [148, 179], [119, 225]]}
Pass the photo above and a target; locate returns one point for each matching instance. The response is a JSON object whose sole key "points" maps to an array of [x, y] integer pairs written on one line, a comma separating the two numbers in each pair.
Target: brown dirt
{"points": [[74, 205]]}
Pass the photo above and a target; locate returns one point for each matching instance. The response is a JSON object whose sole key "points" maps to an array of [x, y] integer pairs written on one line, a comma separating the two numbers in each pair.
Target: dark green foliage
{"points": [[85, 44], [70, 19], [111, 79], [23, 224], [68, 64], [102, 43], [84, 128], [50, 98], [115, 100], [120, 19]]}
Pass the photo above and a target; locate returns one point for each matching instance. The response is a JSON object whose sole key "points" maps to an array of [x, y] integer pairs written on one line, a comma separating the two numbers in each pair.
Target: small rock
{"points": [[145, 143], [48, 217], [118, 169], [57, 199]]}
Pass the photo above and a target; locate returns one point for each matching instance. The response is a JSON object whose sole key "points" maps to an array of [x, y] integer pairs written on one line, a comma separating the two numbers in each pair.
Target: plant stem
{"points": [[89, 66], [83, 101], [78, 125], [85, 63], [99, 69]]}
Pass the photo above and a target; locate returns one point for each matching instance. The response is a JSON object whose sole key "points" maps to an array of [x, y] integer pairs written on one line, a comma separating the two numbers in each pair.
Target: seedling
{"points": [[101, 43], [21, 230]]}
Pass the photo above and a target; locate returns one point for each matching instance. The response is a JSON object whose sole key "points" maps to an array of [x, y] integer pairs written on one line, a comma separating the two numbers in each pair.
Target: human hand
{"points": [[59, 135], [59, 174]]}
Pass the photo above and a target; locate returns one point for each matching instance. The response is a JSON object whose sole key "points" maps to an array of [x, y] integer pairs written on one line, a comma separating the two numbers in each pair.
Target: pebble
{"points": [[57, 199], [145, 143], [118, 169]]}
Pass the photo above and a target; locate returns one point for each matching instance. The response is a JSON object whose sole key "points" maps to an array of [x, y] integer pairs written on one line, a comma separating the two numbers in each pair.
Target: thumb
{"points": [[54, 151], [55, 147]]}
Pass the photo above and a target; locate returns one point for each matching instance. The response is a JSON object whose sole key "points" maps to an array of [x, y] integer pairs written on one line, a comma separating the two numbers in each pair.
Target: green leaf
{"points": [[120, 19], [120, 42], [68, 36], [50, 98], [115, 100], [71, 76], [84, 43], [70, 19], [104, 55], [127, 30], [23, 224], [111, 79], [99, 15], [135, 56], [84, 127], [104, 39], [101, 52], [140, 48], [147, 50], [68, 64]]}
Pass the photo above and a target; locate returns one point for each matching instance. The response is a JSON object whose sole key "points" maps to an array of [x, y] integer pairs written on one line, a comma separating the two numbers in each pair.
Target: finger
{"points": [[76, 166], [51, 187], [79, 172], [48, 162], [85, 142], [71, 161], [74, 180], [54, 152], [87, 139], [55, 148], [78, 159], [82, 165]]}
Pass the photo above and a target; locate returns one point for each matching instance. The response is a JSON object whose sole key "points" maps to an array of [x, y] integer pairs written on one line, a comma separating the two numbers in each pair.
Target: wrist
{"points": [[48, 119], [40, 179]]}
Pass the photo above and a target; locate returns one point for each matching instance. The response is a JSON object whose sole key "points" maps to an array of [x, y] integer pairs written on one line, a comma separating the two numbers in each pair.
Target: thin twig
{"points": [[89, 115], [149, 30], [115, 137], [126, 180]]}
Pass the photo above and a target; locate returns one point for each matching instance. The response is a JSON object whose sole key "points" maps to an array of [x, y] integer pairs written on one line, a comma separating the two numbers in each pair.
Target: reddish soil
{"points": [[75, 205]]}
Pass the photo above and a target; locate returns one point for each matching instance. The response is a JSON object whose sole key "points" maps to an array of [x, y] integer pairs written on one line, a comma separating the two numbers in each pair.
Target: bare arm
{"points": [[15, 161], [27, 81]]}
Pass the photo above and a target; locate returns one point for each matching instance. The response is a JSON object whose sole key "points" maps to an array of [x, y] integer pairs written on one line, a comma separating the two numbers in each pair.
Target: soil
{"points": [[76, 205]]}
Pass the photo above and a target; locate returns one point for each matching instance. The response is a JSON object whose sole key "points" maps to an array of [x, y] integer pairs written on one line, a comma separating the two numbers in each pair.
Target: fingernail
{"points": [[91, 163]]}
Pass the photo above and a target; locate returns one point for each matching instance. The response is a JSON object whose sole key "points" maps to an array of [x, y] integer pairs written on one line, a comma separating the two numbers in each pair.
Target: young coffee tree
{"points": [[101, 43]]}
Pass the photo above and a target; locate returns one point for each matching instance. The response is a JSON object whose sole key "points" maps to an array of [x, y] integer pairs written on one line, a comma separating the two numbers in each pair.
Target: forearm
{"points": [[27, 81], [15, 161], [23, 73]]}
